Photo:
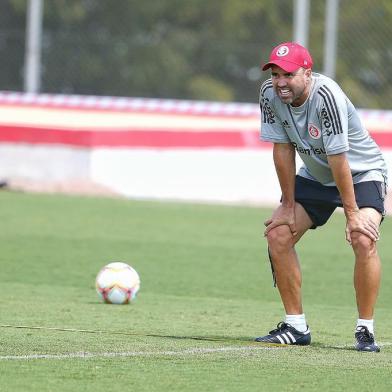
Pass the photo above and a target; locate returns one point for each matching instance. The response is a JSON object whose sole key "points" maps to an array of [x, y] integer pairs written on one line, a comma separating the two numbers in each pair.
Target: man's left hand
{"points": [[361, 222]]}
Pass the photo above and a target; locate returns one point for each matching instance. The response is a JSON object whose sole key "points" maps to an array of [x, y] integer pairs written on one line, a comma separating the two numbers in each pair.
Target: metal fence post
{"points": [[330, 37], [32, 69], [301, 21]]}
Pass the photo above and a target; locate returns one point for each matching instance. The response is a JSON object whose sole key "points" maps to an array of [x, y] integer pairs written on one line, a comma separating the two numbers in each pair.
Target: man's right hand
{"points": [[282, 216]]}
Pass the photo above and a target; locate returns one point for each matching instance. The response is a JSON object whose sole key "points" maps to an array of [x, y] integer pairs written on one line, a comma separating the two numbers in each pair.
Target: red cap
{"points": [[289, 56]]}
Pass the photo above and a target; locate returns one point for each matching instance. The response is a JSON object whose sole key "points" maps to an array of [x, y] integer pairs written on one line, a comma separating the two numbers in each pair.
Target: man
{"points": [[307, 113]]}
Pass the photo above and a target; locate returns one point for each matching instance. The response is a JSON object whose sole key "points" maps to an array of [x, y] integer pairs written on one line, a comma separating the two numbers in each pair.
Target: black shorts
{"points": [[320, 201]]}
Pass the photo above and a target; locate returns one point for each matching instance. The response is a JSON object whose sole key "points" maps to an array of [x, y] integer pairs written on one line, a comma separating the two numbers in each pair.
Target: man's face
{"points": [[292, 87]]}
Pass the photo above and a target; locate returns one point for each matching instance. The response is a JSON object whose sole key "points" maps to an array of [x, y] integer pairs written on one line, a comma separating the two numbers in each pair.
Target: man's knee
{"points": [[362, 245], [280, 238]]}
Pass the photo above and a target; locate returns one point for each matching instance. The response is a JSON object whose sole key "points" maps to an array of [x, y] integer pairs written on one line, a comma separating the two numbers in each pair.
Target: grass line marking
{"points": [[88, 355], [64, 329]]}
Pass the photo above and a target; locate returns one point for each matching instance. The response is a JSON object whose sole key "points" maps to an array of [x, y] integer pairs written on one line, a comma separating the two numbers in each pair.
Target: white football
{"points": [[117, 283]]}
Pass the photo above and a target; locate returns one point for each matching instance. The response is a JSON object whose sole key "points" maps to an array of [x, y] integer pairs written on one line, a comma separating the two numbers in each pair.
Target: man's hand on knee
{"points": [[282, 216], [361, 222]]}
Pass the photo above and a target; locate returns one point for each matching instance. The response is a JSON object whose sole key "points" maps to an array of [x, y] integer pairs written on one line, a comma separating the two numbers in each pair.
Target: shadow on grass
{"points": [[125, 333], [214, 338], [333, 347], [227, 339]]}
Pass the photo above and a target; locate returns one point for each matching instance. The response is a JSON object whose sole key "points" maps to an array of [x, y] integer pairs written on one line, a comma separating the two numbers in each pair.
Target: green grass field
{"points": [[206, 292]]}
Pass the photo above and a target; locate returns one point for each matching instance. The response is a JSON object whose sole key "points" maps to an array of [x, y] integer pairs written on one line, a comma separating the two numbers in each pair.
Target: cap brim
{"points": [[285, 65]]}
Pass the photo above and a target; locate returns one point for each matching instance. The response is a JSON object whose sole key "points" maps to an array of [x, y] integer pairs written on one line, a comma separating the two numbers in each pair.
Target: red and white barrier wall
{"points": [[146, 148]]}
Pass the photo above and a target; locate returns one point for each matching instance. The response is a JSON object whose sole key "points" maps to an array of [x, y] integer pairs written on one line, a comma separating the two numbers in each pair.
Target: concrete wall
{"points": [[213, 175]]}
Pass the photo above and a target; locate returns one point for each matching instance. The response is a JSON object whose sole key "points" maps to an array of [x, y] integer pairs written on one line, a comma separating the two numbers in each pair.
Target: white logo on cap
{"points": [[282, 51]]}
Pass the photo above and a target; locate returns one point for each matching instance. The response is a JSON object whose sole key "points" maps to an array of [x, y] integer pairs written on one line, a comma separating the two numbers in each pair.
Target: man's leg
{"points": [[281, 244], [367, 271], [367, 274]]}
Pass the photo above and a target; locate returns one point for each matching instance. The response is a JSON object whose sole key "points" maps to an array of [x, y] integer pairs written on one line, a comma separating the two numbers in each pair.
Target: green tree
{"points": [[12, 38], [198, 49], [191, 49]]}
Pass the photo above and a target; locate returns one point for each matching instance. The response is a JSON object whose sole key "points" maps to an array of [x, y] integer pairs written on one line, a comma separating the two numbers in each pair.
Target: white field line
{"points": [[194, 351], [87, 355]]}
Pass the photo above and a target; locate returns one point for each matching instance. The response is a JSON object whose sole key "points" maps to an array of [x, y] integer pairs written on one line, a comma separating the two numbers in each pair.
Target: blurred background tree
{"points": [[191, 49]]}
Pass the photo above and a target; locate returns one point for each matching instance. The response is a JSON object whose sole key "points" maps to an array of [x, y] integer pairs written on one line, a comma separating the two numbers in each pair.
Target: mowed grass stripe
{"points": [[194, 351], [179, 353]]}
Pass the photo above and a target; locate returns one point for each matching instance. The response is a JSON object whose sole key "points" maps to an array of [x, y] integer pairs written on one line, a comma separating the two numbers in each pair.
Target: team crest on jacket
{"points": [[314, 132]]}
